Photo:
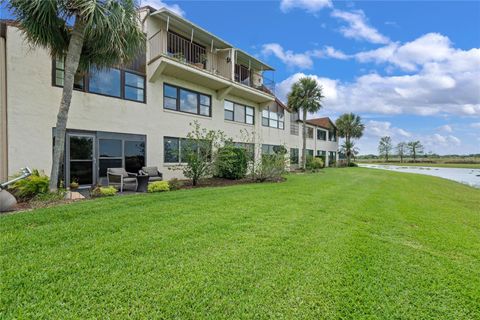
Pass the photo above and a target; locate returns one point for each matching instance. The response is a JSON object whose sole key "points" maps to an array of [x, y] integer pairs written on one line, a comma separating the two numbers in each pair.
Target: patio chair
{"points": [[121, 178], [153, 172]]}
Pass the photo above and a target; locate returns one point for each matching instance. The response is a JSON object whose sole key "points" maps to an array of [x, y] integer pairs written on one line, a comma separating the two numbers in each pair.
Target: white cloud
{"points": [[334, 53], [475, 125], [302, 60], [446, 82], [158, 4], [431, 47], [384, 128], [299, 60], [446, 128], [358, 27], [311, 6]]}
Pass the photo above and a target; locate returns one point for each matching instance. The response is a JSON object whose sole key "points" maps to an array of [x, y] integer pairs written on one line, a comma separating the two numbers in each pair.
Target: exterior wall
{"points": [[33, 105], [3, 113]]}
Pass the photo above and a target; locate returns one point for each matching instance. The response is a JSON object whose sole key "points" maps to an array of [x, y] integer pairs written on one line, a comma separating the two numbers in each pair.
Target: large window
{"points": [[332, 135], [309, 153], [176, 150], [119, 153], [294, 155], [113, 82], [249, 149], [272, 149], [309, 132], [321, 134], [238, 113], [273, 116], [180, 99]]}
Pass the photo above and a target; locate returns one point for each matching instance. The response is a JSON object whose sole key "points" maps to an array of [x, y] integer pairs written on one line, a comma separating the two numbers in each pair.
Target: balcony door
{"points": [[80, 159]]}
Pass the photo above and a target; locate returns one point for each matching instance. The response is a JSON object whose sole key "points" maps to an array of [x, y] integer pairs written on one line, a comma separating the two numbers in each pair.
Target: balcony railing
{"points": [[217, 62]]}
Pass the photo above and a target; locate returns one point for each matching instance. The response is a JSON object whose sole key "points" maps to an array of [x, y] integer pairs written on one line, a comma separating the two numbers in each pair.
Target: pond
{"points": [[466, 176]]}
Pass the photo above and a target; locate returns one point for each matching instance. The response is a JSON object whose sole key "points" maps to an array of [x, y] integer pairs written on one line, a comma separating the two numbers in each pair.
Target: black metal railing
{"points": [[185, 50]]}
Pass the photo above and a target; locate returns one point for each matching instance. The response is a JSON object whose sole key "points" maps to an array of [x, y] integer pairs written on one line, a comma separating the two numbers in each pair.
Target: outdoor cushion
{"points": [[151, 171]]}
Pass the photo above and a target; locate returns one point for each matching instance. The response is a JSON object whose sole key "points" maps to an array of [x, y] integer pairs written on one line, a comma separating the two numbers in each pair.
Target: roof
{"points": [[324, 122], [206, 36]]}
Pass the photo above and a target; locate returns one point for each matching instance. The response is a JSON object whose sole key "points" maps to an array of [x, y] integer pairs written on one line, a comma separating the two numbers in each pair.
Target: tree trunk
{"points": [[349, 151], [71, 65], [304, 153]]}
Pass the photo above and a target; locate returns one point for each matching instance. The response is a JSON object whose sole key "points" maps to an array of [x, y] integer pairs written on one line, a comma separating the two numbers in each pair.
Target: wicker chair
{"points": [[152, 172], [121, 178]]}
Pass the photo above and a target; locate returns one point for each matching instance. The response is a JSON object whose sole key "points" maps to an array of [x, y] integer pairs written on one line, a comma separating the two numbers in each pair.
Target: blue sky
{"points": [[411, 69]]}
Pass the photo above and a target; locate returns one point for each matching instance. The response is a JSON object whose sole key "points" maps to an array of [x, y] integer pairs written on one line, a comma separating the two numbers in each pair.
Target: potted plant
{"points": [[74, 184], [179, 56], [202, 61]]}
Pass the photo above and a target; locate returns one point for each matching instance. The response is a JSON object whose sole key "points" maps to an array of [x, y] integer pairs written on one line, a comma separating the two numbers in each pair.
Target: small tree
{"points": [[231, 162], [401, 150], [349, 150], [198, 152], [415, 148], [385, 147]]}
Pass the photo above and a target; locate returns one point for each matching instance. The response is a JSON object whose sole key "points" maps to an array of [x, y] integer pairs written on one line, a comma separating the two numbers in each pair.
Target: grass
{"points": [[344, 244], [437, 165]]}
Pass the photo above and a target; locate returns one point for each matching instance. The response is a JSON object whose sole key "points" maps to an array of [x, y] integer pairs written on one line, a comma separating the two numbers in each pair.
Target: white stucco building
{"points": [[138, 115]]}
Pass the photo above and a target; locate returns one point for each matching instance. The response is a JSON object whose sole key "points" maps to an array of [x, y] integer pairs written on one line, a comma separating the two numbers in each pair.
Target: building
{"points": [[138, 115]]}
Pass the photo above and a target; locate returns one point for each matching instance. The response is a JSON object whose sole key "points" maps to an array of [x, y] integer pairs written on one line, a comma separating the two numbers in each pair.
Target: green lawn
{"points": [[344, 244], [438, 165]]}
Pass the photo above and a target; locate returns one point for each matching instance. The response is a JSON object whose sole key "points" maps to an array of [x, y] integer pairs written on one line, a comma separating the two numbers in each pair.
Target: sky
{"points": [[410, 69]]}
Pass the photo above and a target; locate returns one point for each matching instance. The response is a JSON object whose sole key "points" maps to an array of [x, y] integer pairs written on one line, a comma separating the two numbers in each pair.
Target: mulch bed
{"points": [[186, 184]]}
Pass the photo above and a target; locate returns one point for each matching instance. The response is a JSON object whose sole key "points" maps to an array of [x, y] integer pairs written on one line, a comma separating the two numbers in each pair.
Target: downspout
{"points": [[3, 104]]}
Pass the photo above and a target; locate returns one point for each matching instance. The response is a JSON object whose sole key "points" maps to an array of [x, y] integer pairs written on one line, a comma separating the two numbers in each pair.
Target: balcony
{"points": [[214, 65]]}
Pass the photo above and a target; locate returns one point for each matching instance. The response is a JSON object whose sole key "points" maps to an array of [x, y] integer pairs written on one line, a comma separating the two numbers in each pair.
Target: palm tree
{"points": [[86, 33], [350, 127], [385, 146], [349, 149], [306, 96]]}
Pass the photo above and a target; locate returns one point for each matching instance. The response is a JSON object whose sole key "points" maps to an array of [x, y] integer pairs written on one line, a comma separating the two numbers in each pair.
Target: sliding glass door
{"points": [[80, 159]]}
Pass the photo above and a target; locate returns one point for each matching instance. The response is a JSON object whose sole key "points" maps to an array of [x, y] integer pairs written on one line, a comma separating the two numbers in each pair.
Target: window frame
{"points": [[294, 153], [324, 133], [177, 104], [277, 119], [86, 82], [245, 107]]}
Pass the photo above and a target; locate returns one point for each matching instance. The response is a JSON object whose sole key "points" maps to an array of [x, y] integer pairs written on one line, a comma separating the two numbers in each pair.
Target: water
{"points": [[466, 176]]}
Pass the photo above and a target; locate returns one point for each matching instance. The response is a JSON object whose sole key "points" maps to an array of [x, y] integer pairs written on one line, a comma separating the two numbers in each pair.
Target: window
{"points": [[294, 128], [321, 134], [119, 83], [321, 153], [332, 135], [238, 113], [249, 149], [134, 155], [332, 158], [171, 150], [175, 150], [134, 87], [272, 149], [294, 155], [119, 153], [309, 132], [184, 100], [105, 82], [309, 153], [273, 116]]}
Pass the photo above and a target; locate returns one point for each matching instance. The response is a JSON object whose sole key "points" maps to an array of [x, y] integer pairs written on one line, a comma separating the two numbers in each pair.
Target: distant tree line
{"points": [[402, 149]]}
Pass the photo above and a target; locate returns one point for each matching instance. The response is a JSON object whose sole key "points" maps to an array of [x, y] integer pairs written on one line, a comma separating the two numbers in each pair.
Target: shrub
{"points": [[31, 186], [231, 163], [270, 168], [353, 164], [99, 191], [158, 186], [45, 199], [314, 163], [175, 184]]}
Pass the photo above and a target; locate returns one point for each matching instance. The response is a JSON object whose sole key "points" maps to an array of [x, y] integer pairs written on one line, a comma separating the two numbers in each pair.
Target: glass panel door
{"points": [[80, 159]]}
